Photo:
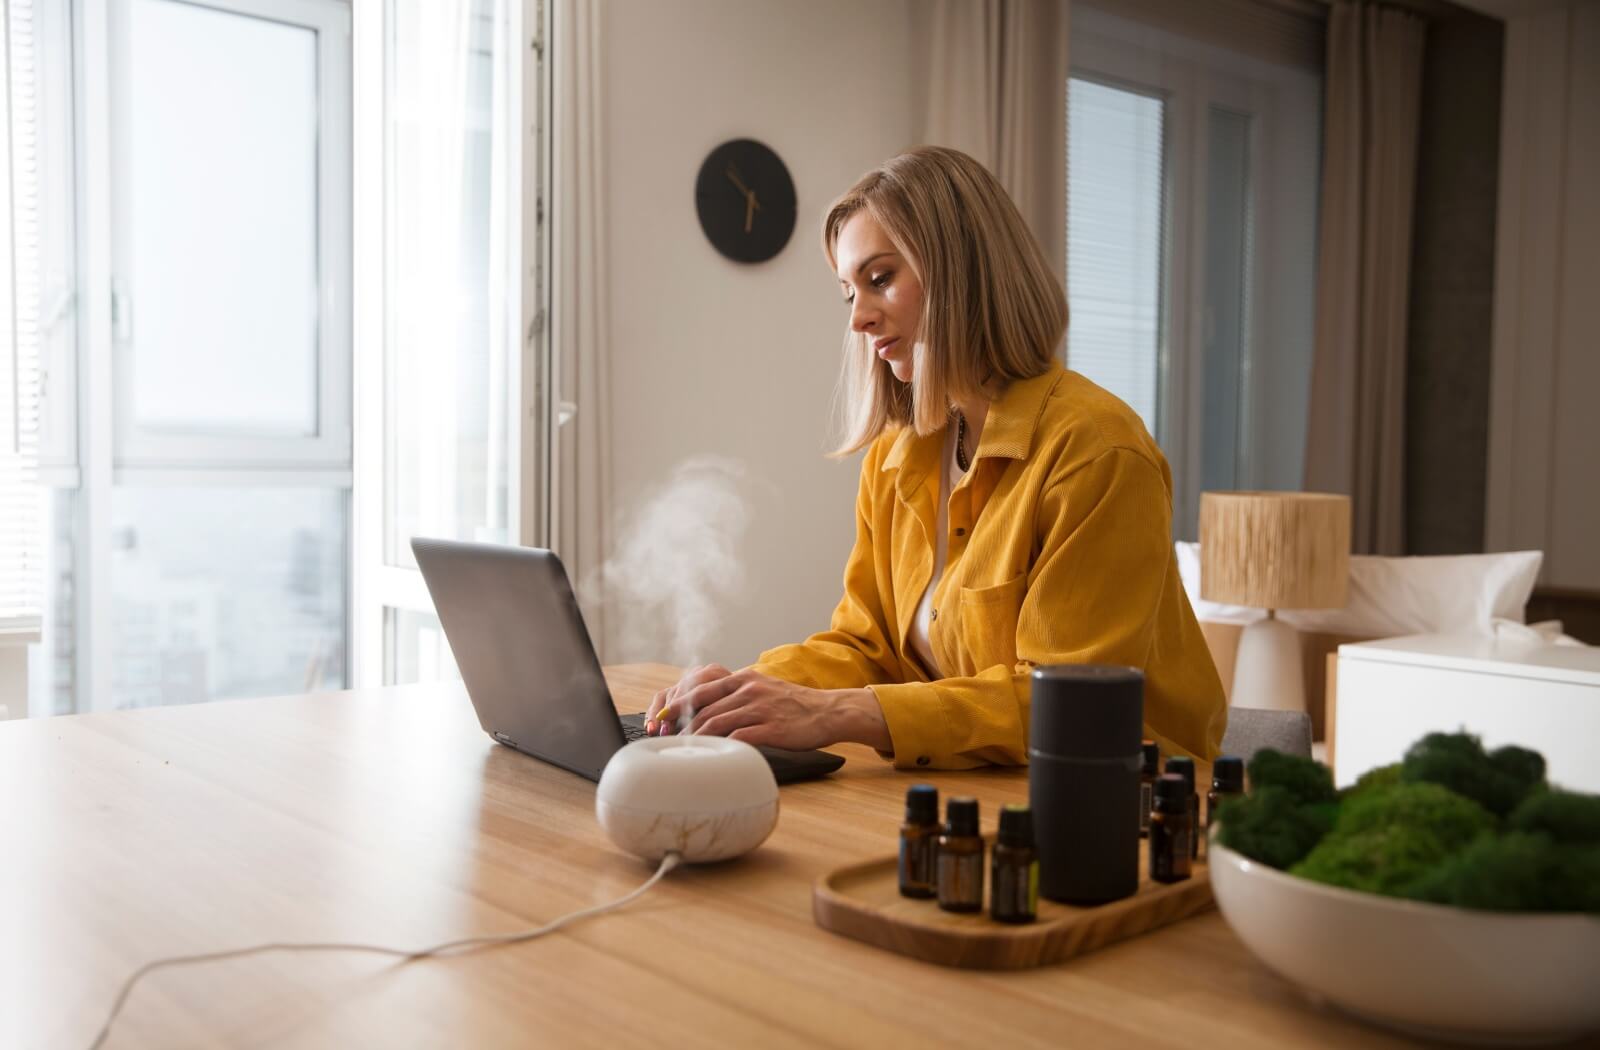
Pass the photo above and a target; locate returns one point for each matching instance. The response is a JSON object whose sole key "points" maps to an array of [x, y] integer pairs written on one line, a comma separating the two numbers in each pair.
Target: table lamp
{"points": [[1273, 550]]}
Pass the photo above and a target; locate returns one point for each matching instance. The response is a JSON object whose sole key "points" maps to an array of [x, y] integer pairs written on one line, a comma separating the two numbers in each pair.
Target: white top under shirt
{"points": [[948, 469]]}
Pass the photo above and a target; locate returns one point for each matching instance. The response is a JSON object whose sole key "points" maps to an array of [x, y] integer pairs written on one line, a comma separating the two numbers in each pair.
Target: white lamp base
{"points": [[1267, 672]]}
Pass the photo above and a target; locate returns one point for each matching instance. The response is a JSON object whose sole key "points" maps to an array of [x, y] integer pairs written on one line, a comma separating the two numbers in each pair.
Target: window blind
{"points": [[20, 541], [1115, 240]]}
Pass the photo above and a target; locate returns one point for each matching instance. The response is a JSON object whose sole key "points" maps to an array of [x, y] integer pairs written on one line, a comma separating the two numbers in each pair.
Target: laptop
{"points": [[530, 669]]}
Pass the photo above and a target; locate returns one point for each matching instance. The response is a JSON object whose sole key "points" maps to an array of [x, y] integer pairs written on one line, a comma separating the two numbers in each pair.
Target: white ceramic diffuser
{"points": [[706, 797]]}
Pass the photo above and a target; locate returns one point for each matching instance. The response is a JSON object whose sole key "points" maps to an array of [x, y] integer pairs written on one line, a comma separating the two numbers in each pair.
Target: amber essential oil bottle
{"points": [[961, 858], [1227, 781], [1171, 830], [1014, 868], [1184, 767], [1149, 769], [919, 842]]}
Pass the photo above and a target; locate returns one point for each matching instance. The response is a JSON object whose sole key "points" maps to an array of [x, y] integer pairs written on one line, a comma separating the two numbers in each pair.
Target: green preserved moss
{"points": [[1457, 761], [1518, 871], [1451, 824], [1372, 779], [1389, 836], [1306, 780], [1272, 826], [1565, 816]]}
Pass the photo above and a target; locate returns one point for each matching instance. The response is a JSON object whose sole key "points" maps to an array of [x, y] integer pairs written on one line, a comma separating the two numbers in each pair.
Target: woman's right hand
{"points": [[663, 716]]}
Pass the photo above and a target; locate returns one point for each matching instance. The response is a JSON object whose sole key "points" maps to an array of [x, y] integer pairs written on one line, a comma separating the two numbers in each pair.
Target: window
{"points": [[197, 285], [210, 171], [1191, 238], [1117, 214], [449, 228], [231, 243], [20, 322]]}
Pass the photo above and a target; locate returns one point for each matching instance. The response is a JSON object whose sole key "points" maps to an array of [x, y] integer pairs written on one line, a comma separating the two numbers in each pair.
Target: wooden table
{"points": [[388, 816]]}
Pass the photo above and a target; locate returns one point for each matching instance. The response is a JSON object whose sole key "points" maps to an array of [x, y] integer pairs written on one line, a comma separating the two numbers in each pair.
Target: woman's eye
{"points": [[879, 280]]}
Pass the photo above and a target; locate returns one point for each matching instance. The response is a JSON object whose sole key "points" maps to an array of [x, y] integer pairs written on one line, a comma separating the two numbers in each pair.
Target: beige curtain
{"points": [[1355, 437], [582, 340], [997, 90]]}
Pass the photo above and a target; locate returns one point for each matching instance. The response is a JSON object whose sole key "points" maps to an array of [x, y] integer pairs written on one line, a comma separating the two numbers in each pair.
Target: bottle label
{"points": [[917, 867], [961, 879], [1015, 893], [1169, 850], [1146, 800]]}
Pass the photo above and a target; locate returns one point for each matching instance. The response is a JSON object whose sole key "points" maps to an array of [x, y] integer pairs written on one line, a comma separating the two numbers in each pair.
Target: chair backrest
{"points": [[1251, 729]]}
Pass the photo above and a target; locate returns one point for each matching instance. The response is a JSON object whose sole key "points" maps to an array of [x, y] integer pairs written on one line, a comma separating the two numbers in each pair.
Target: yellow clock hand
{"points": [[733, 174]]}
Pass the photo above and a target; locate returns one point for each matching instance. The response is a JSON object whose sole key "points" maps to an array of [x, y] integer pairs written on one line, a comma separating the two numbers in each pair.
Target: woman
{"points": [[1011, 513]]}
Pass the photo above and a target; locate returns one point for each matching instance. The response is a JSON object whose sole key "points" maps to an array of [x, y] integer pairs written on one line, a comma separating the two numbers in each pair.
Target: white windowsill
{"points": [[19, 631]]}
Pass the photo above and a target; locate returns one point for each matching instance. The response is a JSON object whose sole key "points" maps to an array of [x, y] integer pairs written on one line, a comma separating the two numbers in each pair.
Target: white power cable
{"points": [[670, 861]]}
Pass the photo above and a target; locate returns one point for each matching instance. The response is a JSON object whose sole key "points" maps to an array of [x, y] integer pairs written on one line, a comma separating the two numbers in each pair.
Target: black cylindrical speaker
{"points": [[1084, 753]]}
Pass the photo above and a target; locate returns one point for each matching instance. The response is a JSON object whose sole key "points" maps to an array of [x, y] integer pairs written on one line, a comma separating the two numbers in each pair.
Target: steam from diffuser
{"points": [[677, 565]]}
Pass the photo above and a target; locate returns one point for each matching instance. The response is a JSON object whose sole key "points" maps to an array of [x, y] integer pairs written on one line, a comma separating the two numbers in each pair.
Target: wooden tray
{"points": [[863, 901]]}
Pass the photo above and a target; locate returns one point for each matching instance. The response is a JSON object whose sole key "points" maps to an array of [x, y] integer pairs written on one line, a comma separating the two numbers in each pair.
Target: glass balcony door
{"points": [[295, 262], [200, 535]]}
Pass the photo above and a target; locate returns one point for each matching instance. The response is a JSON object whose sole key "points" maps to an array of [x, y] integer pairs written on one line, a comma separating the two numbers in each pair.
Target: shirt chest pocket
{"points": [[989, 622]]}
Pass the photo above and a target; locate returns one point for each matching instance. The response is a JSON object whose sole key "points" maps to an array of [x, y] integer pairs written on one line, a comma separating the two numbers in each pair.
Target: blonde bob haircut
{"points": [[992, 309]]}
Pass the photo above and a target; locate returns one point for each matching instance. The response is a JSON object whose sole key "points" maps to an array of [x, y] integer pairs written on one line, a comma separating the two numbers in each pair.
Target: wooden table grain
{"points": [[387, 816]]}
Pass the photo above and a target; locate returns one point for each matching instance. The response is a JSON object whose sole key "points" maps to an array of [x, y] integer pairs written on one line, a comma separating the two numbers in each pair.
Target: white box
{"points": [[1545, 697]]}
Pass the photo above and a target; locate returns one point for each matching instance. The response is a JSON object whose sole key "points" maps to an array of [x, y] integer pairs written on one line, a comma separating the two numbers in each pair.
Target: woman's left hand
{"points": [[765, 711]]}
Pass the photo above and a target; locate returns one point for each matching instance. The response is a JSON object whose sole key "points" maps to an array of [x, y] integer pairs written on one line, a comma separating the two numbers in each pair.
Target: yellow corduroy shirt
{"points": [[1060, 552]]}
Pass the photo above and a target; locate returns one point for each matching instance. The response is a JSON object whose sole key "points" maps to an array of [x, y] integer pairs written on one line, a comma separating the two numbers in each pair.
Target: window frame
{"points": [[329, 445], [102, 455]]}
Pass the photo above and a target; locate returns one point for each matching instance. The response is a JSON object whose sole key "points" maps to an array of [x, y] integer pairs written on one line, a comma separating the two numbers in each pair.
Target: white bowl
{"points": [[706, 797], [1425, 969]]}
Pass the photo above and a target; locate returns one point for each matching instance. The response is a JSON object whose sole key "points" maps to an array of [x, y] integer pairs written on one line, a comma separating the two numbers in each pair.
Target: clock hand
{"points": [[733, 174], [750, 207]]}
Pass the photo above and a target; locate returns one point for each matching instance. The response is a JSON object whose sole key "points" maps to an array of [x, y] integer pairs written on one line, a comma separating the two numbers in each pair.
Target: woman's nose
{"points": [[862, 316]]}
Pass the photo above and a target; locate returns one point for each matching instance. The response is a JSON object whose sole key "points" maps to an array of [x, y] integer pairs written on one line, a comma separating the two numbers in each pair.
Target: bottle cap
{"points": [[922, 804], [1171, 787], [1086, 711], [1182, 765], [1227, 774], [1016, 826], [1151, 760], [963, 816]]}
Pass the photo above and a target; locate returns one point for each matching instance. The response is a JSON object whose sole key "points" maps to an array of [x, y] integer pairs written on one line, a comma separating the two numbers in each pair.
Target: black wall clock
{"points": [[745, 200]]}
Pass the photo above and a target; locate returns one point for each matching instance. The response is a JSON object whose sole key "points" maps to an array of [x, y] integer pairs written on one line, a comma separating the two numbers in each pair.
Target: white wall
{"points": [[714, 357], [1544, 430]]}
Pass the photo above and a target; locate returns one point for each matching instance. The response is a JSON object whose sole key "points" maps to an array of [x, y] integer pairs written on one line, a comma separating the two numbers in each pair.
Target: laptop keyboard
{"points": [[633, 727]]}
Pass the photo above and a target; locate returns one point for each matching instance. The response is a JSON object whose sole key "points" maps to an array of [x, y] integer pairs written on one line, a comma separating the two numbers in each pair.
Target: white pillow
{"points": [[1448, 594]]}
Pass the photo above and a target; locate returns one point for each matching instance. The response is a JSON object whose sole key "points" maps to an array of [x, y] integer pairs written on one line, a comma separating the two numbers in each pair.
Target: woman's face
{"points": [[882, 292]]}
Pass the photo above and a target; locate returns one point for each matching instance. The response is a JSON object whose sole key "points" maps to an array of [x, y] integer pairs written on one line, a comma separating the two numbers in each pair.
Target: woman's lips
{"points": [[887, 348]]}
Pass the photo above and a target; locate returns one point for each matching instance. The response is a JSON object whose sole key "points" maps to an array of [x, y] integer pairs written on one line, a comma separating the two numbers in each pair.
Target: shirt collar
{"points": [[1008, 431]]}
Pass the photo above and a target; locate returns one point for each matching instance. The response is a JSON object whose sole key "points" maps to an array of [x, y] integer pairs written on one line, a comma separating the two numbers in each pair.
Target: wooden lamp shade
{"points": [[1275, 550]]}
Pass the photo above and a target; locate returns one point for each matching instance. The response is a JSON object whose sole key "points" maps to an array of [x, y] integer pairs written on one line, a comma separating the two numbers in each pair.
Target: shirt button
{"points": [[922, 760]]}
